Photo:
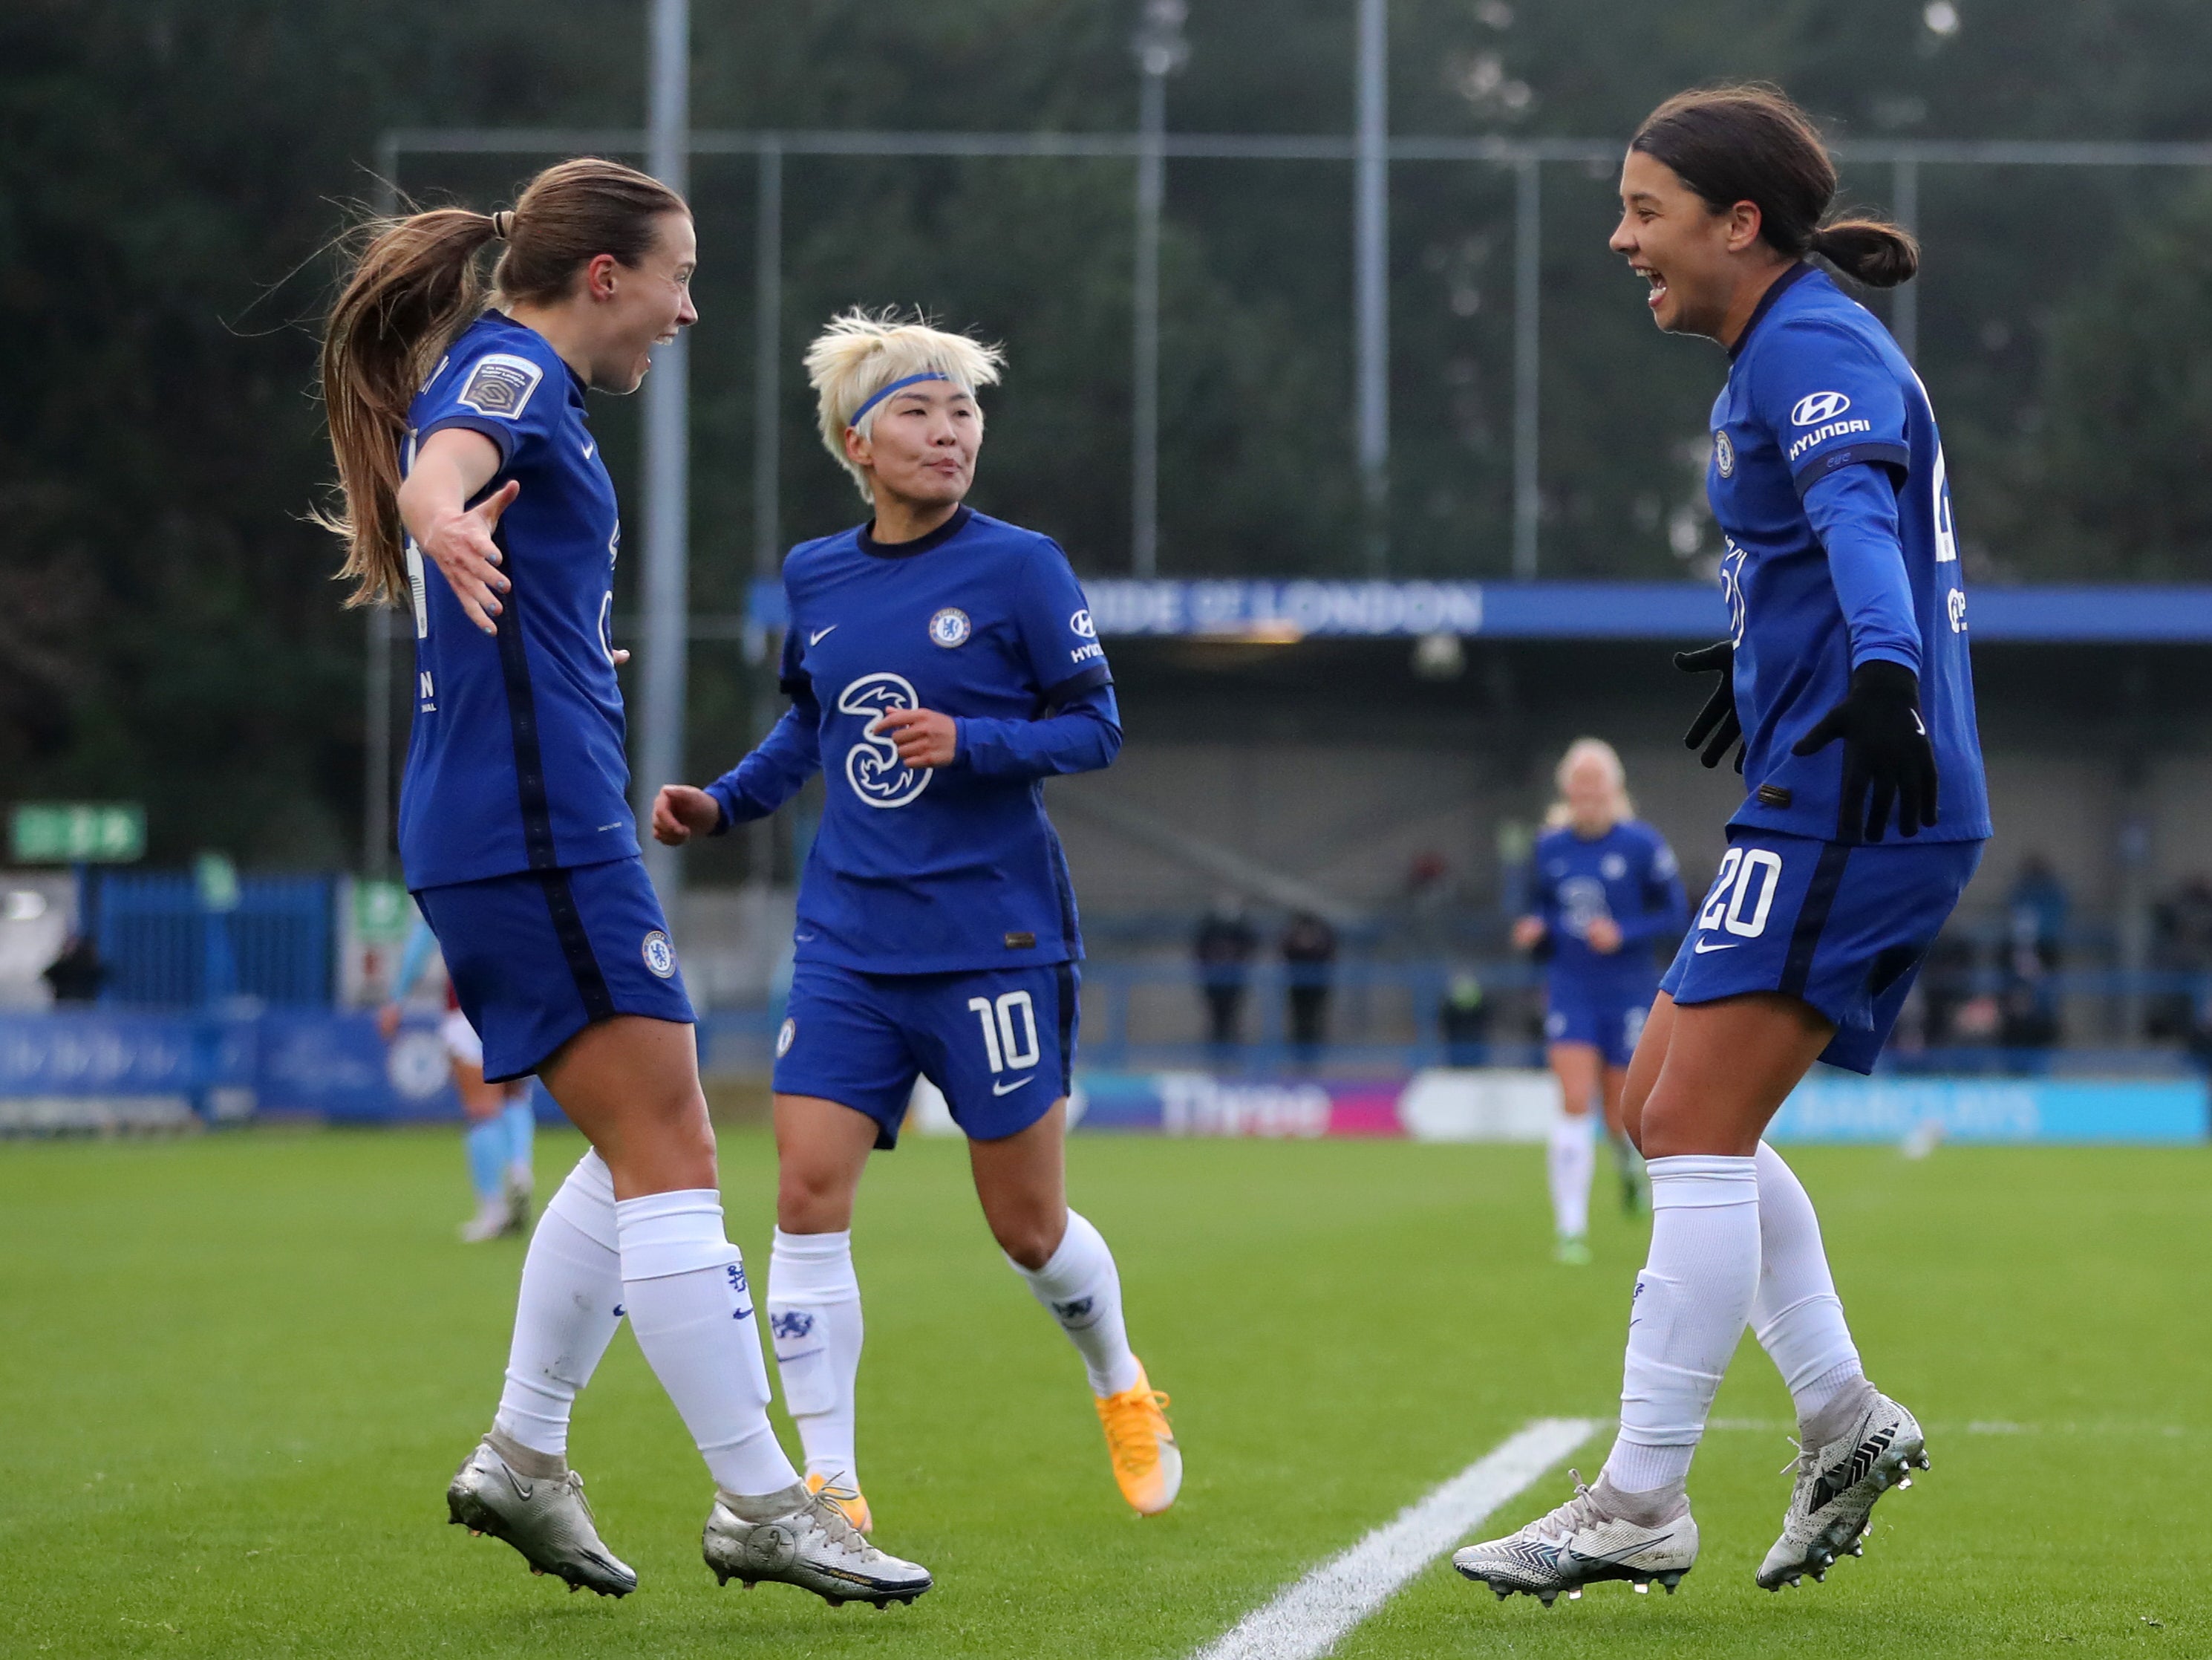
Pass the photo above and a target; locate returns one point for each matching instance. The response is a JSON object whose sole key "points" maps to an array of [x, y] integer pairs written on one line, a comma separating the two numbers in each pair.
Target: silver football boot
{"points": [[1579, 1544], [1838, 1481], [536, 1502], [801, 1538]]}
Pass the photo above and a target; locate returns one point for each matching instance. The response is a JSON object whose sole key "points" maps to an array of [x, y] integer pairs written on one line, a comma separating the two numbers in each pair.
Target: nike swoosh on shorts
{"points": [[820, 634], [1701, 947], [1008, 1089]]}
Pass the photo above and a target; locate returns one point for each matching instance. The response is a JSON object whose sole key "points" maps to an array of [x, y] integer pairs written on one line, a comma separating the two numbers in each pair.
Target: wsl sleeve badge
{"points": [[500, 386], [951, 627]]}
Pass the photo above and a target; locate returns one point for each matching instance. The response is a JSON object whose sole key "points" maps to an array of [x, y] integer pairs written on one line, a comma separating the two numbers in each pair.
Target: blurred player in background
{"points": [[1846, 680], [1604, 887], [463, 441], [502, 1125], [941, 666]]}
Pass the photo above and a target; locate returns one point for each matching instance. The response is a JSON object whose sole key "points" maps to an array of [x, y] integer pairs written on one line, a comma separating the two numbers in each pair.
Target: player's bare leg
{"points": [[1627, 1162], [1022, 1181]]}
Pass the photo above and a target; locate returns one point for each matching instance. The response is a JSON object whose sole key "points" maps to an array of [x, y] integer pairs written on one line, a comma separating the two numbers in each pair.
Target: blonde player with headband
{"points": [[1604, 889], [941, 666]]}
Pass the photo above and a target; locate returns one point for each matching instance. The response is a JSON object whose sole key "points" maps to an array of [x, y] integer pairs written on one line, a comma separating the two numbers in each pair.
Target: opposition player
{"points": [[502, 1129], [1849, 687], [941, 665], [1604, 887], [463, 441]]}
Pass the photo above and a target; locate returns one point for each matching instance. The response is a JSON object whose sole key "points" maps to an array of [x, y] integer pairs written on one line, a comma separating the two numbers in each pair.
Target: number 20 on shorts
{"points": [[1745, 882], [1007, 1051]]}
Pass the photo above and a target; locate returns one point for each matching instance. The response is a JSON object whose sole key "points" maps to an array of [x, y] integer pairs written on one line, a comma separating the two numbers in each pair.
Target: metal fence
{"points": [[164, 947]]}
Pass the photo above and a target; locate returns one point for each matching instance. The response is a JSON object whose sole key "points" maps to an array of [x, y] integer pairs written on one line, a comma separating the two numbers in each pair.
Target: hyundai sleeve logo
{"points": [[1817, 406], [1081, 625]]}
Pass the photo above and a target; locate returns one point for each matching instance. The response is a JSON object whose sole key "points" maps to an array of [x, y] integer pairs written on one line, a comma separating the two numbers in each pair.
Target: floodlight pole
{"points": [[668, 469], [1527, 361], [1370, 282], [1161, 50]]}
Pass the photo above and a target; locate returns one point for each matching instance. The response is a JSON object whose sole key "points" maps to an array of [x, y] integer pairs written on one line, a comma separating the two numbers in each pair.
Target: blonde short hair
{"points": [[862, 352], [1597, 750]]}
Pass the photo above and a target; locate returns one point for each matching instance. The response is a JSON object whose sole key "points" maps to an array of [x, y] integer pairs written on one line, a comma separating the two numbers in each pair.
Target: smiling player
{"points": [[1848, 684], [941, 665], [459, 421]]}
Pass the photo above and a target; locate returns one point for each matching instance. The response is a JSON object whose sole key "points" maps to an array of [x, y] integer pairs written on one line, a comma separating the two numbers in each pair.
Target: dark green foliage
{"points": [[168, 173]]}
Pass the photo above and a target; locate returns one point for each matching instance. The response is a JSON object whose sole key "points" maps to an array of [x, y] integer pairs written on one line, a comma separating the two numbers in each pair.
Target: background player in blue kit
{"points": [[463, 441], [1849, 687], [941, 665], [1603, 888]]}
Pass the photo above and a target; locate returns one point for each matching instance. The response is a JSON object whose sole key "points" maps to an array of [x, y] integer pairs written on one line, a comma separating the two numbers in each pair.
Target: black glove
{"points": [[1886, 748], [1716, 725]]}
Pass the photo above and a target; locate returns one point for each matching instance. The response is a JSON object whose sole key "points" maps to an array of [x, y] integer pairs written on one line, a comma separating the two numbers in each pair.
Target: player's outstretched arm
{"points": [[773, 772], [453, 466]]}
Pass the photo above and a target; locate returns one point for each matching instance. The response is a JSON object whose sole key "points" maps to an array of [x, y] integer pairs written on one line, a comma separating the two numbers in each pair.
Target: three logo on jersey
{"points": [[872, 766]]}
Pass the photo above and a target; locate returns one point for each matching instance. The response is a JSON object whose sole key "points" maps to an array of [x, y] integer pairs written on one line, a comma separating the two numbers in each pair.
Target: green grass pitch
{"points": [[237, 1371]]}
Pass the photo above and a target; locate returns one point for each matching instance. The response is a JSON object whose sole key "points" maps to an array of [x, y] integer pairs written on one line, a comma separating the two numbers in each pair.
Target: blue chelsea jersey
{"points": [[1628, 874], [1816, 388], [516, 760], [957, 867]]}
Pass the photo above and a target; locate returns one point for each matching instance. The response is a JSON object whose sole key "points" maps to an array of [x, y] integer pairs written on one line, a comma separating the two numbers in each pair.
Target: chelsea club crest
{"points": [[1724, 454], [950, 627]]}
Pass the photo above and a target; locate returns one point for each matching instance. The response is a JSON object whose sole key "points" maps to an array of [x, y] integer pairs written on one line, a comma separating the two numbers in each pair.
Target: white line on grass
{"points": [[1307, 1619]]}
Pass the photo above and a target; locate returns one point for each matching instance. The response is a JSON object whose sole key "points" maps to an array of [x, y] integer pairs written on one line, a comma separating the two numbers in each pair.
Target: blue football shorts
{"points": [[999, 1042], [1845, 927], [537, 956], [1609, 1018]]}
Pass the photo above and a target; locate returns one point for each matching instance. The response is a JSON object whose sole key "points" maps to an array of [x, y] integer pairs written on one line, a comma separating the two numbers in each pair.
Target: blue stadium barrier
{"points": [[165, 948], [2054, 613], [99, 1069]]}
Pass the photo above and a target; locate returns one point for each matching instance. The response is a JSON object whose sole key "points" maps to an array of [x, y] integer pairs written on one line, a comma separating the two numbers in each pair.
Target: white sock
{"points": [[814, 1315], [1797, 1316], [1081, 1288], [1691, 1304], [683, 1283], [566, 1312], [1571, 1161]]}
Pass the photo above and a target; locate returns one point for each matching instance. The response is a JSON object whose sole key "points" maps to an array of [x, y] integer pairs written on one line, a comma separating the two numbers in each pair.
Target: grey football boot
{"points": [[536, 1502], [1581, 1543], [1839, 1476], [801, 1538]]}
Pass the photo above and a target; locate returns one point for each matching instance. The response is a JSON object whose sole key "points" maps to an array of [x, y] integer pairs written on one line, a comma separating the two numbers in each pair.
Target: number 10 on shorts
{"points": [[1006, 1050], [1747, 880]]}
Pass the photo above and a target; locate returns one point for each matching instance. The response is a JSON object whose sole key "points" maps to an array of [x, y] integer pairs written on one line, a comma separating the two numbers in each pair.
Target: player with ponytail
{"points": [[1848, 698], [458, 417]]}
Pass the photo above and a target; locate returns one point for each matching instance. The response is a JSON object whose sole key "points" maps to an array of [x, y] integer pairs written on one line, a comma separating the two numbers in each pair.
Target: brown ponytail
{"points": [[416, 284], [1750, 143]]}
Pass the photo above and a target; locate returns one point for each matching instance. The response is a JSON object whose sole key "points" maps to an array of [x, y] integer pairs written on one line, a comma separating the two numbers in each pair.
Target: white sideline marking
{"points": [[1306, 1619]]}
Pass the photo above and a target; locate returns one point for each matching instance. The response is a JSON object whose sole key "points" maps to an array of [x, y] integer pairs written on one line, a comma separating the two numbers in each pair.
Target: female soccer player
{"points": [[941, 665], [1849, 686], [1605, 887], [463, 441], [502, 1130]]}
